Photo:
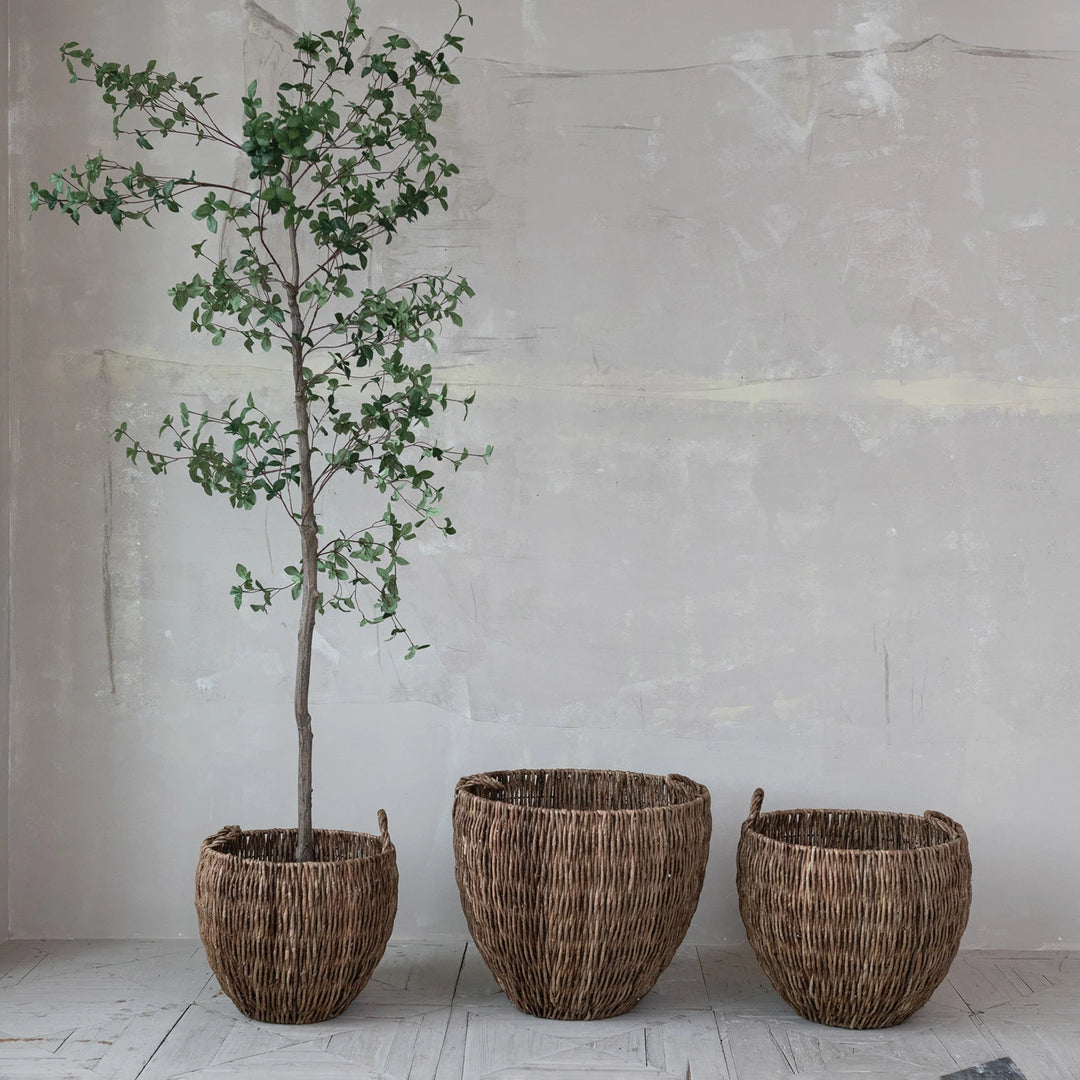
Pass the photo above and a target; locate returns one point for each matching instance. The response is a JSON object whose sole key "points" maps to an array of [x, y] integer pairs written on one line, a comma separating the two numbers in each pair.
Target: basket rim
{"points": [[750, 828], [206, 848], [700, 795]]}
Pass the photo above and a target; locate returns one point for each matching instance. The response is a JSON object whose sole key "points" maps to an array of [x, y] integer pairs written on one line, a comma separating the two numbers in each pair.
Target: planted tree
{"points": [[339, 160]]}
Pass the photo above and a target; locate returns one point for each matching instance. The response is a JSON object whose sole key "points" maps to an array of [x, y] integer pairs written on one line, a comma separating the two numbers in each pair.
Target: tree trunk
{"points": [[309, 570]]}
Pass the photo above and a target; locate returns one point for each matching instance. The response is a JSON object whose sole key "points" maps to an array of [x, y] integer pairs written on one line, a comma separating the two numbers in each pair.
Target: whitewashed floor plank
{"points": [[817, 1049], [873, 1073], [13, 1048], [756, 1051], [244, 1040], [66, 957], [37, 1019], [451, 1065], [580, 1062], [286, 1064], [946, 995], [1046, 1050], [125, 1046], [175, 975], [681, 986], [1052, 1001], [416, 974], [149, 1011], [935, 1041], [967, 1042], [116, 1038], [48, 1068], [736, 985], [32, 1024], [101, 987], [500, 1038], [17, 959], [503, 1043], [688, 1044], [600, 1071], [193, 1044], [587, 1056], [369, 1045], [428, 1046], [978, 981], [397, 1048], [476, 985]]}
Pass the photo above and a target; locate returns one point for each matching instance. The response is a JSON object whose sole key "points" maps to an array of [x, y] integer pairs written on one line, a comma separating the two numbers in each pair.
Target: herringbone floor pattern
{"points": [[150, 1010]]}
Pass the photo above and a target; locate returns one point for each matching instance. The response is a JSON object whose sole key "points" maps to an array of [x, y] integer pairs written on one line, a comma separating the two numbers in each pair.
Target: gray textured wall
{"points": [[775, 329], [5, 488]]}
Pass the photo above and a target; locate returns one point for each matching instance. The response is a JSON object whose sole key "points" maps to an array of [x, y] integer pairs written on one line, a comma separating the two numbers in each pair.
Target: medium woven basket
{"points": [[289, 942], [579, 885], [855, 915]]}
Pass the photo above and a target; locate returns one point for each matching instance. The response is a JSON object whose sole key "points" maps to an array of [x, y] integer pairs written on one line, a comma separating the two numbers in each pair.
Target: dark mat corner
{"points": [[1001, 1069]]}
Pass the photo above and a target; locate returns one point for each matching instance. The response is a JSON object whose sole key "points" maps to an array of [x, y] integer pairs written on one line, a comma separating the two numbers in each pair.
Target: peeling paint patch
{"points": [[729, 715], [325, 649], [837, 392], [257, 13]]}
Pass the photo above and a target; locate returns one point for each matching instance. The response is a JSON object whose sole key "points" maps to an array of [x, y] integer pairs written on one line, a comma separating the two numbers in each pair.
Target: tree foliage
{"points": [[348, 172], [339, 159]]}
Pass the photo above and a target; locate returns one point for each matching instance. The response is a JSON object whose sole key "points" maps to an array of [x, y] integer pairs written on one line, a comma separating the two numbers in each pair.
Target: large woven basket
{"points": [[579, 885], [289, 942], [855, 915]]}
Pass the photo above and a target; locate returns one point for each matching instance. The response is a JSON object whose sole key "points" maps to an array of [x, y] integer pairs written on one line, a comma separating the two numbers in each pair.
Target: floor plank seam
{"points": [[465, 1045], [701, 972], [785, 1054], [164, 1039], [457, 978], [991, 1039], [31, 970]]}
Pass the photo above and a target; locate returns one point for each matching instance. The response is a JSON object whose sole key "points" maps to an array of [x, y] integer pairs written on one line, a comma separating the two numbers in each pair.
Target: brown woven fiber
{"points": [[579, 885], [855, 915], [289, 942]]}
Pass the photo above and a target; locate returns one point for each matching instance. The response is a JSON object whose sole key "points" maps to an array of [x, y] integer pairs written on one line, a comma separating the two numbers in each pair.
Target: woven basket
{"points": [[579, 885], [855, 915], [289, 942]]}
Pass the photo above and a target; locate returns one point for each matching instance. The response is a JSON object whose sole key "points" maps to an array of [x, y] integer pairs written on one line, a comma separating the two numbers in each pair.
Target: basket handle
{"points": [[481, 782], [755, 806], [230, 834], [953, 828], [384, 831], [677, 781]]}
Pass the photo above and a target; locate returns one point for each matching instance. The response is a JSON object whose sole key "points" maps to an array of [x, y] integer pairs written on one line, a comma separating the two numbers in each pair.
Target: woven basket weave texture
{"points": [[289, 942], [579, 885], [855, 916]]}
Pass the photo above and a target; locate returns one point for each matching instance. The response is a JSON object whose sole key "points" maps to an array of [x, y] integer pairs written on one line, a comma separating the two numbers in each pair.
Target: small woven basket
{"points": [[289, 942], [854, 915], [579, 885]]}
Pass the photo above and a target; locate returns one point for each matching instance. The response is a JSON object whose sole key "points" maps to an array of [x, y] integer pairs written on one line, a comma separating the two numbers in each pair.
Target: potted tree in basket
{"points": [[294, 921]]}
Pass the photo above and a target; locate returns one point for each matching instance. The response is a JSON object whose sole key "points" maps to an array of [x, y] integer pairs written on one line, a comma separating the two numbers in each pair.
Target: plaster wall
{"points": [[776, 320], [5, 487]]}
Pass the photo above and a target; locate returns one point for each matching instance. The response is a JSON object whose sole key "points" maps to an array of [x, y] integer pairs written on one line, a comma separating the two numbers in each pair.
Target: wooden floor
{"points": [[150, 1010]]}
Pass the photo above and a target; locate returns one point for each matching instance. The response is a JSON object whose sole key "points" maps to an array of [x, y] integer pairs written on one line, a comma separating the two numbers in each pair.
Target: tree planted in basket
{"points": [[341, 158]]}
